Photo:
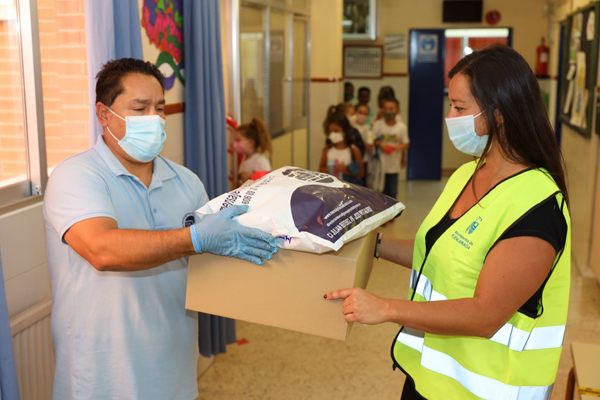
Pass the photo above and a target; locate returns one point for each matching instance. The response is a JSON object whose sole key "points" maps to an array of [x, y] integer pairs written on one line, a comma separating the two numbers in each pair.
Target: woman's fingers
{"points": [[338, 294], [350, 318]]}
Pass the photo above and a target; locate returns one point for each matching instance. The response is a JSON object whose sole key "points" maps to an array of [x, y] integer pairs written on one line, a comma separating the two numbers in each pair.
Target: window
{"points": [[461, 42], [64, 78], [13, 155], [44, 91]]}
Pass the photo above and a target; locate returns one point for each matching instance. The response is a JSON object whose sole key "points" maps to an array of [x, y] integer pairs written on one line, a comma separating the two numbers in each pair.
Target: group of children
{"points": [[361, 147]]}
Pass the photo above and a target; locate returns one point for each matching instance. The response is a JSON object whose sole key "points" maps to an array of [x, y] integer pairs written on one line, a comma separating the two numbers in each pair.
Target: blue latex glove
{"points": [[220, 234]]}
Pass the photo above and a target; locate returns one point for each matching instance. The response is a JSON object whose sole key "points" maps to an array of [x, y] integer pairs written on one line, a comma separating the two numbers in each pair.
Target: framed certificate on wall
{"points": [[363, 61]]}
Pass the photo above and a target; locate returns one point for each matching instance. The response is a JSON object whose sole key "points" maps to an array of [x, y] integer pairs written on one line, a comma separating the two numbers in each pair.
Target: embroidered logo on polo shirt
{"points": [[188, 220]]}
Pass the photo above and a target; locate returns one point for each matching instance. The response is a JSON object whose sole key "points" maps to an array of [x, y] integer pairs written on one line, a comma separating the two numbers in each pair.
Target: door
{"points": [[426, 103]]}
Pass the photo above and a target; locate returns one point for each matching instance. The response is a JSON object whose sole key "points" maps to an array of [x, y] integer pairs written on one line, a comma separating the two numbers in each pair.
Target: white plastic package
{"points": [[307, 210]]}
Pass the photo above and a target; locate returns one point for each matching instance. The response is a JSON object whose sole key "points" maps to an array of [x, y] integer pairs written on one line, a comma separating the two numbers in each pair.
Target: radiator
{"points": [[34, 354]]}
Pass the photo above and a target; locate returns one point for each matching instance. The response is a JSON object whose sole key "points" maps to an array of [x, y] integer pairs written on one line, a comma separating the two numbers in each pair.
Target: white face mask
{"points": [[144, 136], [462, 133], [336, 137], [361, 118]]}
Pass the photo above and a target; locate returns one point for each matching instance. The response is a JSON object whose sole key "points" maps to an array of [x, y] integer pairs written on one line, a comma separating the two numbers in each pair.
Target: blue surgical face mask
{"points": [[144, 136], [462, 134]]}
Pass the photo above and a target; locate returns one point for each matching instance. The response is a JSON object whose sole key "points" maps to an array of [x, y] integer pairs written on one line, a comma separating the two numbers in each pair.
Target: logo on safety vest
{"points": [[473, 226]]}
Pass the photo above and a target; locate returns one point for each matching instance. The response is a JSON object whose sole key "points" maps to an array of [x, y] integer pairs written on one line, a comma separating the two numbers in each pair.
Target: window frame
{"points": [[33, 108]]}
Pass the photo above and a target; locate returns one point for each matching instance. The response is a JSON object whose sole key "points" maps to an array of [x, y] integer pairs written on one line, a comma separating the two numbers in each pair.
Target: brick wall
{"points": [[64, 85], [64, 78]]}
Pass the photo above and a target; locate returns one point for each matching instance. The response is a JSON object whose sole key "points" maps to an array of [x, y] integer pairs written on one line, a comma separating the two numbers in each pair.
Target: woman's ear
{"points": [[499, 117]]}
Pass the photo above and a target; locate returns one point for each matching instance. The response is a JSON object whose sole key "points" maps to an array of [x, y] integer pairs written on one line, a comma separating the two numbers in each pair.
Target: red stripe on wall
{"points": [[175, 108]]}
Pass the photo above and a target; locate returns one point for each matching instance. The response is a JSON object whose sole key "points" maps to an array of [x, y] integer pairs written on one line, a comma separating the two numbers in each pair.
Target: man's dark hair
{"points": [[109, 86], [348, 84], [364, 89]]}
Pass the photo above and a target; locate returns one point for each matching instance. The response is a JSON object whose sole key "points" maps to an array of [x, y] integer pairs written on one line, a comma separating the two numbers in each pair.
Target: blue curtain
{"points": [[205, 130], [9, 387], [112, 31]]}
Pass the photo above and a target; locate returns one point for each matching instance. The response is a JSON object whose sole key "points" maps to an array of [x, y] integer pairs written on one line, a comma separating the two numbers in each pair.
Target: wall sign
{"points": [[363, 61], [428, 49], [394, 46]]}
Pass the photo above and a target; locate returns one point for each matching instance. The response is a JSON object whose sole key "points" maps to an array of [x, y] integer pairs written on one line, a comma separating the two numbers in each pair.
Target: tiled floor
{"points": [[280, 364]]}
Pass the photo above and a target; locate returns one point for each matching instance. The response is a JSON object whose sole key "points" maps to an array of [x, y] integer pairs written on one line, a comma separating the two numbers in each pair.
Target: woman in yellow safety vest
{"points": [[490, 277]]}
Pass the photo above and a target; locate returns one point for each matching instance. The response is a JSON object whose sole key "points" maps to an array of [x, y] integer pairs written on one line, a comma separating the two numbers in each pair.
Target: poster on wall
{"points": [[578, 112], [590, 28], [394, 46], [428, 48], [163, 22], [575, 37], [363, 61]]}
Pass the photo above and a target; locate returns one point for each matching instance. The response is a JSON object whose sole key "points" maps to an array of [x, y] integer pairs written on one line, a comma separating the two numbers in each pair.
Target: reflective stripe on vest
{"points": [[548, 337], [479, 385]]}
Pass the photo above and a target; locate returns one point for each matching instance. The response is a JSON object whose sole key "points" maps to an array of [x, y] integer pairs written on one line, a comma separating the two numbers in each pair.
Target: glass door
{"points": [[300, 78], [253, 68], [279, 88]]}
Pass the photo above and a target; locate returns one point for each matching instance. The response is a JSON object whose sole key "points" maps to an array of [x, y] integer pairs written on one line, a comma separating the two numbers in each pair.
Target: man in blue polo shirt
{"points": [[120, 224]]}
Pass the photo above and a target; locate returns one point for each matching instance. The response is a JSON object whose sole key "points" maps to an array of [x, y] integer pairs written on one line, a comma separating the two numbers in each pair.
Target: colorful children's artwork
{"points": [[163, 22]]}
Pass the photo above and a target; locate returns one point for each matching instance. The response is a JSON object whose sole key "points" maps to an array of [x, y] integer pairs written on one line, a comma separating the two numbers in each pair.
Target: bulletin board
{"points": [[579, 68]]}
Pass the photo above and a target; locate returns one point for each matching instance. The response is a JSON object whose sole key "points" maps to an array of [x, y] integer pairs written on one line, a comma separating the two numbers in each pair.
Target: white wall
{"points": [[325, 63], [24, 259]]}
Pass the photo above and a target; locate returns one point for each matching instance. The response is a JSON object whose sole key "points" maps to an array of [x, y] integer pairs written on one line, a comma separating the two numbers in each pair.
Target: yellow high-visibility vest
{"points": [[521, 360]]}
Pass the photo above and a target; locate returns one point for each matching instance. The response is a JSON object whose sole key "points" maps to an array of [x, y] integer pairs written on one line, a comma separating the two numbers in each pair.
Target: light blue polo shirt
{"points": [[120, 335]]}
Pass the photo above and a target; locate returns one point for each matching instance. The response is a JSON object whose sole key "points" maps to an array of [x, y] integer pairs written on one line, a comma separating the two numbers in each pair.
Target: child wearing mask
{"points": [[364, 97], [348, 110], [348, 91], [386, 93], [391, 136], [253, 141], [340, 157], [359, 122]]}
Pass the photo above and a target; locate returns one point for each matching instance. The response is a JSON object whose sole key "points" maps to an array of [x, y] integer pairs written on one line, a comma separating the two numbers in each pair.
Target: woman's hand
{"points": [[362, 306]]}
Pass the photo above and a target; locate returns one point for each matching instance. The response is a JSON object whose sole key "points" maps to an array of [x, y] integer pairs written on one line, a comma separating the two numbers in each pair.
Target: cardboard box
{"points": [[586, 367], [286, 292]]}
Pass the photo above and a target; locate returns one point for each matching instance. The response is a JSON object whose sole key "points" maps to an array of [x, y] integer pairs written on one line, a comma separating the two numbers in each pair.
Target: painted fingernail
{"points": [[325, 296]]}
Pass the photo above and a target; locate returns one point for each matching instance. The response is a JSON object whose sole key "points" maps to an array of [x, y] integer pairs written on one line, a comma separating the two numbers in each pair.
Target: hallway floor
{"points": [[280, 364]]}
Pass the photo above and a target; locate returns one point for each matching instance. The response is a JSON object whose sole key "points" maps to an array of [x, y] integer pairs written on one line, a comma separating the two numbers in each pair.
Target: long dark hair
{"points": [[502, 81], [337, 115]]}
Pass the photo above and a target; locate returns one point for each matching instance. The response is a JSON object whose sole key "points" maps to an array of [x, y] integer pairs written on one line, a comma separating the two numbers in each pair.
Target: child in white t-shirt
{"points": [[391, 136], [253, 141], [340, 157]]}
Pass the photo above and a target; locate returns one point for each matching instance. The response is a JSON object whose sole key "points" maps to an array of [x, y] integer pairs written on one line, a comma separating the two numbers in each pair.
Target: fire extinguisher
{"points": [[543, 56]]}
